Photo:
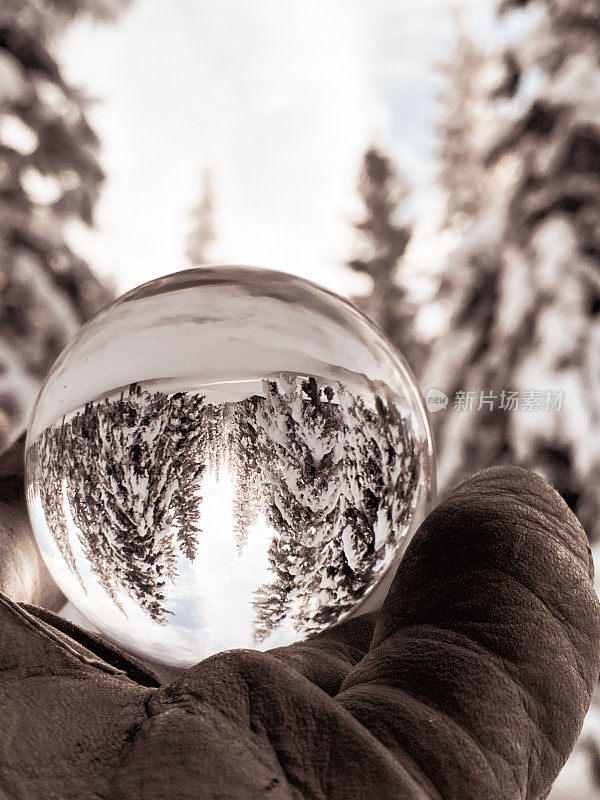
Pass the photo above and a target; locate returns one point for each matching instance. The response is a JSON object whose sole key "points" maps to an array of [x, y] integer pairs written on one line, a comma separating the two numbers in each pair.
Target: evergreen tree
{"points": [[188, 442], [460, 127], [384, 242], [341, 485], [243, 457], [202, 237], [299, 427], [44, 461], [49, 177], [131, 469], [525, 285]]}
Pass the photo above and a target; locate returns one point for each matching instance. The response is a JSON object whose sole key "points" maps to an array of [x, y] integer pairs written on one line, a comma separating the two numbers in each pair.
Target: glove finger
{"points": [[326, 658], [486, 650]]}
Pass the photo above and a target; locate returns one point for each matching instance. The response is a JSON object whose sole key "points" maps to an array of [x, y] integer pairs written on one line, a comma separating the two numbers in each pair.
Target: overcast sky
{"points": [[279, 98]]}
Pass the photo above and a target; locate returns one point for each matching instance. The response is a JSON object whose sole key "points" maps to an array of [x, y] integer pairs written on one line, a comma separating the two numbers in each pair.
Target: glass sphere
{"points": [[226, 457]]}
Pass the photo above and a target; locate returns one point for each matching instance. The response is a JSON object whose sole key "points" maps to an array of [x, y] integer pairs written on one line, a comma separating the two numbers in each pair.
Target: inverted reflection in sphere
{"points": [[225, 457]]}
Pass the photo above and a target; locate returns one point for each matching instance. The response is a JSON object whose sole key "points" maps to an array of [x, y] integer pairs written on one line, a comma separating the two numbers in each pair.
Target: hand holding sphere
{"points": [[471, 682]]}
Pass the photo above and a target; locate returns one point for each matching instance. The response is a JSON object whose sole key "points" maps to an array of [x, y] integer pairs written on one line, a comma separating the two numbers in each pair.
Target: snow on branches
{"points": [[334, 474]]}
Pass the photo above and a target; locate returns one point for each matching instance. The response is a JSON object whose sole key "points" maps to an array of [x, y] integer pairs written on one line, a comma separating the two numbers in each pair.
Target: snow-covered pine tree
{"points": [[297, 433], [202, 236], [340, 481], [243, 457], [384, 239], [188, 442], [45, 461], [378, 477], [49, 177], [460, 122], [524, 285], [131, 469], [382, 461]]}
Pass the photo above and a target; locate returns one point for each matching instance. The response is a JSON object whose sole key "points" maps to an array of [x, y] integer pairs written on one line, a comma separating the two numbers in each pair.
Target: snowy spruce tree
{"points": [[341, 483], [45, 459], [524, 285], [131, 469], [243, 455], [463, 106], [384, 238], [49, 177], [297, 432]]}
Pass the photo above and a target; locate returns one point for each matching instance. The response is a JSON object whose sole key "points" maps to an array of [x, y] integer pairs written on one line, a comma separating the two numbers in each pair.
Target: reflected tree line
{"points": [[334, 476]]}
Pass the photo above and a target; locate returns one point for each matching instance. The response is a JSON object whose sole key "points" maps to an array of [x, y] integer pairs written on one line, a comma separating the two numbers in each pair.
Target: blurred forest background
{"points": [[507, 311]]}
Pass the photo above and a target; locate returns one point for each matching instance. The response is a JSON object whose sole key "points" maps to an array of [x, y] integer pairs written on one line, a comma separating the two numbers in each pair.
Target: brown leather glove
{"points": [[472, 681]]}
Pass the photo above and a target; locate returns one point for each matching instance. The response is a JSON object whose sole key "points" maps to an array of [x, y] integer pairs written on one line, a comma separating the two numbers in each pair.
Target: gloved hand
{"points": [[471, 682]]}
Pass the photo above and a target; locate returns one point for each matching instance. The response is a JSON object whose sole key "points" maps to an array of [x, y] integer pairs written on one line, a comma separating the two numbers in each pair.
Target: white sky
{"points": [[279, 98]]}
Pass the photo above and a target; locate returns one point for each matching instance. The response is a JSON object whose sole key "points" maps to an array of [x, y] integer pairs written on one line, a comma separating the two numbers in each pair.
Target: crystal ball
{"points": [[226, 457]]}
